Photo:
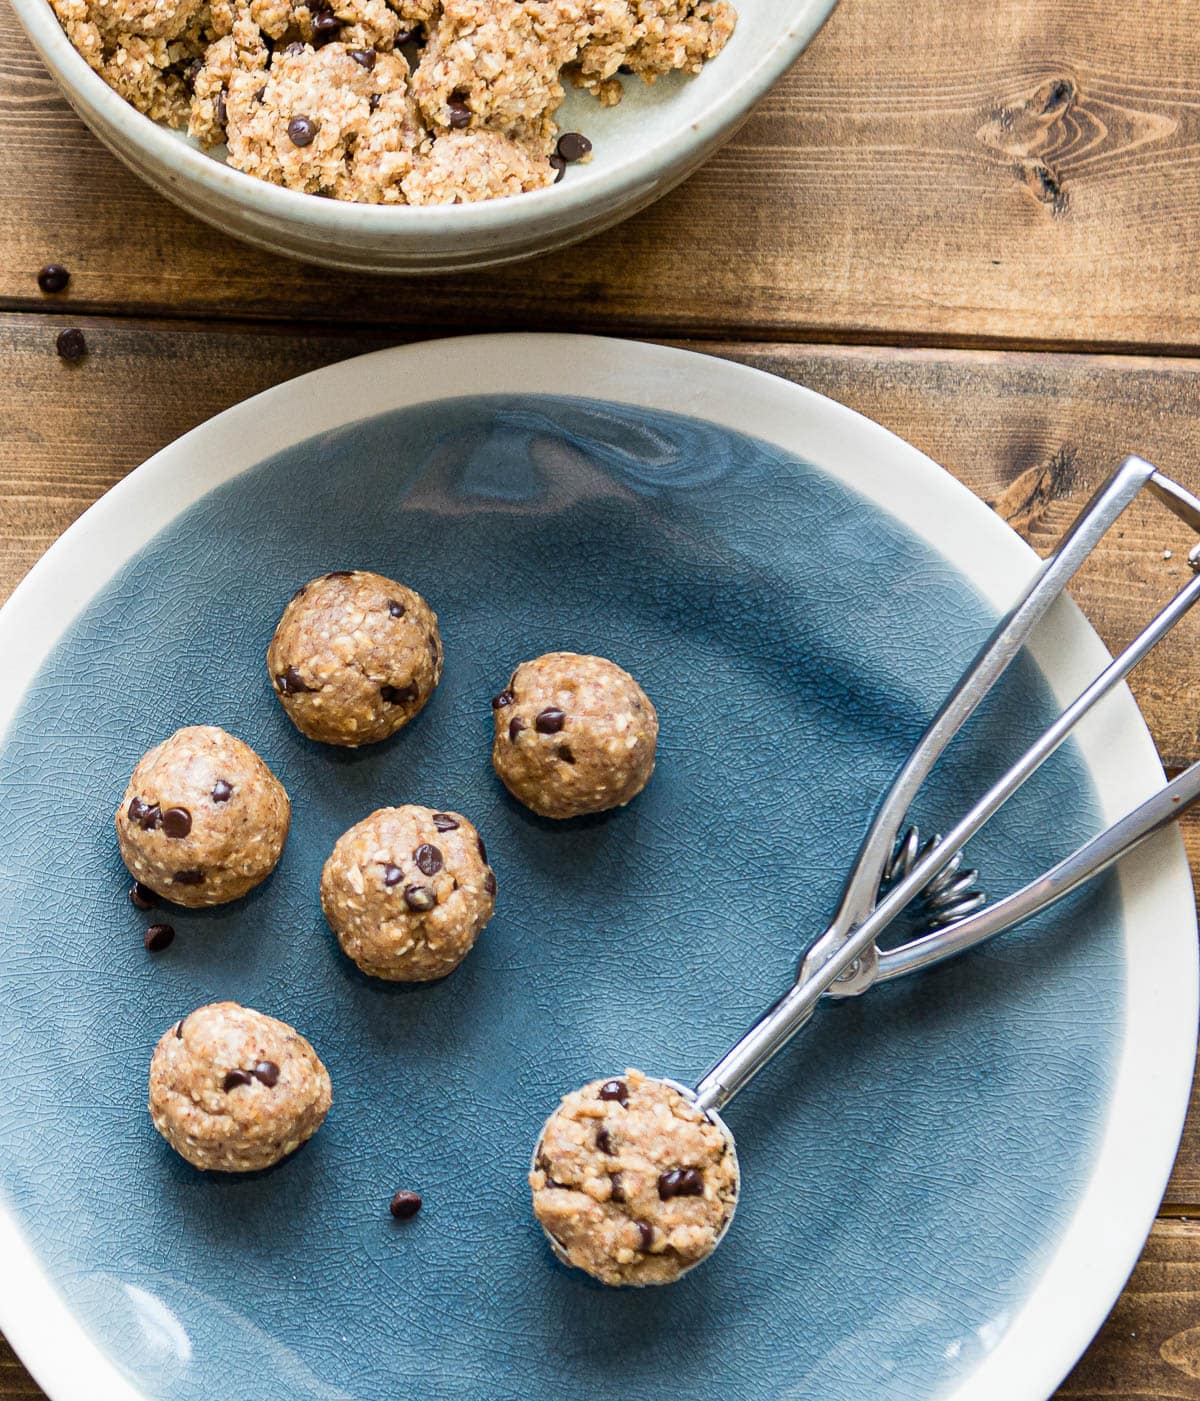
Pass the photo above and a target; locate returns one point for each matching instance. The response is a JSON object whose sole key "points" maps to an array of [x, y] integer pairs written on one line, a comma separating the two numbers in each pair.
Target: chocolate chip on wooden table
{"points": [[458, 114], [158, 937], [404, 1205], [428, 859], [392, 875], [222, 791], [515, 726], [53, 278], [617, 1090], [177, 822], [141, 897], [559, 166], [573, 146], [444, 822], [395, 607], [290, 682], [550, 720], [419, 898], [302, 131], [680, 1182], [266, 1072], [502, 699], [235, 1078], [365, 58], [71, 344]]}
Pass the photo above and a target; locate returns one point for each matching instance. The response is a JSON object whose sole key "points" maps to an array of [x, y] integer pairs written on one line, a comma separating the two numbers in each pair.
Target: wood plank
{"points": [[1019, 173]]}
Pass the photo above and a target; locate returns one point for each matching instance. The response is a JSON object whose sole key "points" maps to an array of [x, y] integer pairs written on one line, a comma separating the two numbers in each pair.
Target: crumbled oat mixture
{"points": [[317, 96]]}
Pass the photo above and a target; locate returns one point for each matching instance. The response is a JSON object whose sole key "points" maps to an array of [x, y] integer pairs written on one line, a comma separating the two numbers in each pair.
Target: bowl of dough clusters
{"points": [[274, 59]]}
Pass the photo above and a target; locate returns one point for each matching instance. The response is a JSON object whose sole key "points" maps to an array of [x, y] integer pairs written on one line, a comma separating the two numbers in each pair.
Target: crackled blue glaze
{"points": [[906, 1169]]}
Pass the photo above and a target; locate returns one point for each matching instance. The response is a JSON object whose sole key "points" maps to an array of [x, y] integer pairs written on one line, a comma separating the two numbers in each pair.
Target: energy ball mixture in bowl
{"points": [[387, 101], [203, 820], [232, 1090], [573, 735], [632, 1182], [355, 657], [407, 891]]}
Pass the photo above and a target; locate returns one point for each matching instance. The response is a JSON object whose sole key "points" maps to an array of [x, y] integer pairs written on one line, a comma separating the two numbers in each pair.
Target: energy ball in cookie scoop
{"points": [[574, 735], [355, 657], [232, 1090], [632, 1182], [407, 892], [203, 820]]}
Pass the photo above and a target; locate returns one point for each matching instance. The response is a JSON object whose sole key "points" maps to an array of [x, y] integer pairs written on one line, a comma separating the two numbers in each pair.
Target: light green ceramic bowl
{"points": [[648, 143]]}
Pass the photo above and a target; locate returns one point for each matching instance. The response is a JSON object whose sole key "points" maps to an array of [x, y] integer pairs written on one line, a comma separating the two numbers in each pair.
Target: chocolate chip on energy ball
{"points": [[550, 720], [177, 822], [373, 102], [489, 882], [266, 1072], [444, 822], [565, 753], [235, 1078], [419, 898], [458, 114], [158, 937], [290, 682], [515, 726], [71, 345], [428, 859], [294, 48], [392, 875], [220, 108], [222, 791], [617, 1184], [404, 1205], [141, 897], [259, 94], [573, 146], [395, 607], [615, 1089], [482, 849], [53, 278], [365, 58], [179, 1028], [504, 698], [680, 1182], [646, 1233], [604, 1142], [188, 877], [326, 24], [559, 166], [301, 131], [398, 695]]}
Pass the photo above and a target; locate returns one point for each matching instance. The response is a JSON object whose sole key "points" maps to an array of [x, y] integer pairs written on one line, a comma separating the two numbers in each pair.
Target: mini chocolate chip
{"points": [[395, 607], [266, 1072], [301, 131], [177, 822], [482, 848], [326, 23], [235, 1078], [398, 695], [428, 859], [373, 102], [364, 57], [158, 937], [515, 726], [259, 94], [625, 70], [136, 809], [615, 1089], [419, 898], [179, 1028], [142, 897], [559, 166], [573, 146], [70, 344], [340, 574], [151, 817], [618, 1187], [291, 683], [680, 1182], [444, 822], [403, 36], [222, 791], [504, 698], [550, 720], [190, 74], [565, 753], [489, 882], [392, 875], [294, 48], [221, 108], [458, 114], [188, 878], [53, 278], [646, 1232], [404, 1205], [604, 1142]]}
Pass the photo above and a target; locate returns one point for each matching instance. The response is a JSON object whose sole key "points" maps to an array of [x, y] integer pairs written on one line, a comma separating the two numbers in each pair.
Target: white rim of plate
{"points": [[1091, 1259]]}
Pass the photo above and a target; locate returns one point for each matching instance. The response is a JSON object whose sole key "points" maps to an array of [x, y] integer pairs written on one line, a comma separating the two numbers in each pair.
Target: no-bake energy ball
{"points": [[407, 892], [203, 819], [632, 1182], [574, 734], [232, 1090], [355, 657]]}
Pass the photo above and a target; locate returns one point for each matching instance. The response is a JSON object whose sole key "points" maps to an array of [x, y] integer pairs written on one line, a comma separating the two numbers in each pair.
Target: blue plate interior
{"points": [[906, 1169]]}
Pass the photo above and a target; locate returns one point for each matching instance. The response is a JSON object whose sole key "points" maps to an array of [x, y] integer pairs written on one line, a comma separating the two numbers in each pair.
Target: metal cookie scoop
{"points": [[894, 870]]}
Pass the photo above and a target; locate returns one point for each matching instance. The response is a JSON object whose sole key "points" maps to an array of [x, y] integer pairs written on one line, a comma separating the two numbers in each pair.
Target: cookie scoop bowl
{"points": [[656, 137]]}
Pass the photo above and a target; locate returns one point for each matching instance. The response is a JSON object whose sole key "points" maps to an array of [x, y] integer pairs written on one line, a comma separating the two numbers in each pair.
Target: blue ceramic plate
{"points": [[945, 1183]]}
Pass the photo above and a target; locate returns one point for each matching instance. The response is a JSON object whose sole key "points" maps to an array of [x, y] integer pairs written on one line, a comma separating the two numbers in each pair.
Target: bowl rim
{"points": [[567, 203], [1087, 1257]]}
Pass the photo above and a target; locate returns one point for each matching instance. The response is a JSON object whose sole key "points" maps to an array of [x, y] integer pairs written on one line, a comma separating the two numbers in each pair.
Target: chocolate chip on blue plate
{"points": [[158, 937], [141, 897], [404, 1204]]}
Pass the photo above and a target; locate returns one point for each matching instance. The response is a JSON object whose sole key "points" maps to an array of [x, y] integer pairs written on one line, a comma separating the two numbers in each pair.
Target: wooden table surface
{"points": [[977, 223]]}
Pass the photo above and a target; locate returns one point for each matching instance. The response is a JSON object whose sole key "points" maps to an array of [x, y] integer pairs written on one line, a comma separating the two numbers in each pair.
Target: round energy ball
{"points": [[632, 1182], [407, 892], [574, 734], [355, 657], [232, 1090], [203, 819]]}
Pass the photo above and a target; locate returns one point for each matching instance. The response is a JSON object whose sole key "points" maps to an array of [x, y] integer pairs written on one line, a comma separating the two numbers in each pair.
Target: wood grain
{"points": [[1022, 173]]}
